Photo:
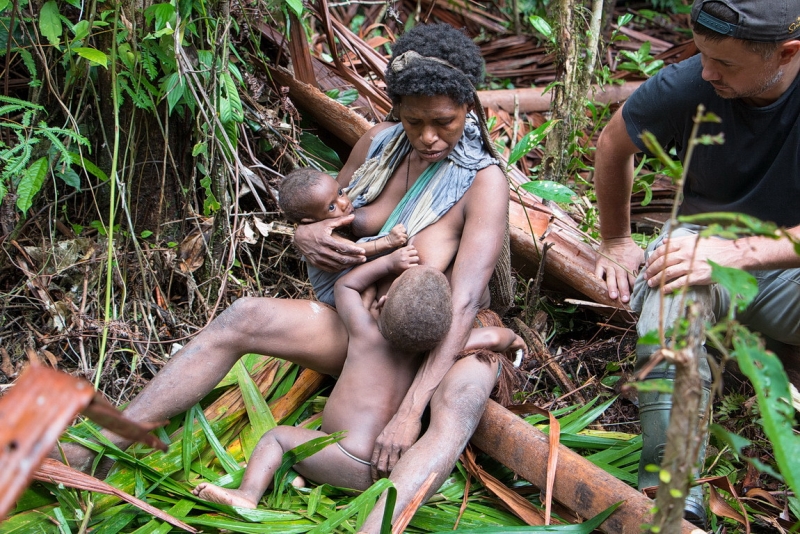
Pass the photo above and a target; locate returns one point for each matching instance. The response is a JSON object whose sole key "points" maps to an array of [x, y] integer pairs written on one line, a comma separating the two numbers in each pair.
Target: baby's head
{"points": [[307, 195], [417, 312]]}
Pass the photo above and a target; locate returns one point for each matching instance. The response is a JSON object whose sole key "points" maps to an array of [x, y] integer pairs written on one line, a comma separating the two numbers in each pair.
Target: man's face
{"points": [[736, 72], [433, 124]]}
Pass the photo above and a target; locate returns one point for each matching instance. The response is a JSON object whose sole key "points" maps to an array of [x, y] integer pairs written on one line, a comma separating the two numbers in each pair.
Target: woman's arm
{"points": [[485, 216]]}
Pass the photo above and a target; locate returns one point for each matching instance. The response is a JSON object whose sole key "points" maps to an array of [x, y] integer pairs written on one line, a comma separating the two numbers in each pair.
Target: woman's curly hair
{"points": [[429, 78]]}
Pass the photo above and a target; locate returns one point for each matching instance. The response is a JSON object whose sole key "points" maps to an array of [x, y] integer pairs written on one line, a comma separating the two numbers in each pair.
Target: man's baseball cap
{"points": [[758, 20]]}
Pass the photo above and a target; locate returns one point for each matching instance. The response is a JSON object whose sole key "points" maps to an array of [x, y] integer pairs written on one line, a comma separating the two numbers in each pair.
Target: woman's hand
{"points": [[325, 250], [397, 437]]}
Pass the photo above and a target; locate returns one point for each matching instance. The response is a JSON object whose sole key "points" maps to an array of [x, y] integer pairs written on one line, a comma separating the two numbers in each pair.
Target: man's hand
{"points": [[397, 237], [684, 264], [325, 250], [397, 437], [618, 261], [404, 258]]}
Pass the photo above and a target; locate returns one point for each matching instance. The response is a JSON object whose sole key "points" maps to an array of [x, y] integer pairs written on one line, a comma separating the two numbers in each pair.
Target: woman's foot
{"points": [[212, 493]]}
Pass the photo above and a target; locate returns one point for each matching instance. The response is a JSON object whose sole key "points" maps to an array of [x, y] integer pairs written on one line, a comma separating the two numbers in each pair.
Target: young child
{"points": [[307, 195], [387, 341]]}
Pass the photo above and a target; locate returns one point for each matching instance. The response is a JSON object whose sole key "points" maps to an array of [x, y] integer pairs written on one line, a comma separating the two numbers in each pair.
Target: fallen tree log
{"points": [[528, 100], [579, 485]]}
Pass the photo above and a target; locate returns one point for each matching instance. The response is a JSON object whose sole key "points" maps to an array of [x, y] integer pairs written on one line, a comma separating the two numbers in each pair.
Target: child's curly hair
{"points": [[418, 310], [429, 78]]}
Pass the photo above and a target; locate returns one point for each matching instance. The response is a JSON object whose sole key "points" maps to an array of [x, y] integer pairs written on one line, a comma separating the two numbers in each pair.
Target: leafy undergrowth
{"points": [[597, 415]]}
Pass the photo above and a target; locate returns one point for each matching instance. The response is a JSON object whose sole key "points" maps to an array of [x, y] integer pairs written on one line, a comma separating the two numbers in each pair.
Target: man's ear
{"points": [[789, 51], [381, 302]]}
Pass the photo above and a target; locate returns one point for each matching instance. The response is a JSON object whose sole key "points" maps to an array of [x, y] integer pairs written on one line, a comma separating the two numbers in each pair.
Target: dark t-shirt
{"points": [[756, 171]]}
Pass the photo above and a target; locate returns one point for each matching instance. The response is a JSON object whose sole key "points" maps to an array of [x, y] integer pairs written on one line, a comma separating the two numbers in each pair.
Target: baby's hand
{"points": [[404, 258], [397, 237]]}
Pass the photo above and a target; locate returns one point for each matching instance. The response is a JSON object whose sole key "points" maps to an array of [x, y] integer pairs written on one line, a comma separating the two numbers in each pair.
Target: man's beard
{"points": [[765, 86]]}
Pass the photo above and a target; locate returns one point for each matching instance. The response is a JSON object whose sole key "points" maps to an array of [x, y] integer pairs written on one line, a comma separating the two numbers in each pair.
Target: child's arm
{"points": [[348, 289], [494, 338], [397, 237], [497, 339]]}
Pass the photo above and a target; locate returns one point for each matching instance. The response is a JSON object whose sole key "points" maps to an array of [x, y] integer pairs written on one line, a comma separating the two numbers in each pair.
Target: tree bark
{"points": [[535, 99], [684, 437], [579, 485]]}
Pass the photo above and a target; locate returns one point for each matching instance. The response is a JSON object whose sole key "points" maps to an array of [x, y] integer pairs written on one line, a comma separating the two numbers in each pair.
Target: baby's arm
{"points": [[348, 289], [397, 237]]}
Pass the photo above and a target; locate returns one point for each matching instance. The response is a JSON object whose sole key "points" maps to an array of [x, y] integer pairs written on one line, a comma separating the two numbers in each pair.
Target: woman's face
{"points": [[433, 124]]}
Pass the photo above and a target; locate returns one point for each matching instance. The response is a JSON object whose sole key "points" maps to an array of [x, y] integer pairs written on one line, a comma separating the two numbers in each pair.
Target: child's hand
{"points": [[518, 349], [397, 237], [404, 258]]}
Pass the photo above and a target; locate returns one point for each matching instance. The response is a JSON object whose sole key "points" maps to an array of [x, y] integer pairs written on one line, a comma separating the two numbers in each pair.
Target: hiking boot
{"points": [[654, 412]]}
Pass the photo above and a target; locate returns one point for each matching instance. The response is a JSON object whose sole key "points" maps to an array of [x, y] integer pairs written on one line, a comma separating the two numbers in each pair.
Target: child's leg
{"points": [[333, 466], [263, 464]]}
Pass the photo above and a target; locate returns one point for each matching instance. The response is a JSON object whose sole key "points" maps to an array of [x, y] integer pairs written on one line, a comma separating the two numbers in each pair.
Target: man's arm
{"points": [[683, 261], [481, 240], [619, 257]]}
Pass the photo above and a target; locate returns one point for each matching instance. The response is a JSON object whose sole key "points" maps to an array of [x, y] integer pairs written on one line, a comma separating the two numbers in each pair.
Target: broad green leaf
{"points": [[94, 55], [164, 15], [530, 141], [116, 521], [346, 97], [323, 155], [71, 178], [81, 30], [766, 373], [550, 190], [296, 6], [30, 65], [4, 4], [371, 494], [742, 286], [87, 165], [224, 524], [31, 183], [186, 448], [587, 527], [233, 96], [258, 412], [542, 26], [50, 22], [156, 526], [225, 459], [173, 86]]}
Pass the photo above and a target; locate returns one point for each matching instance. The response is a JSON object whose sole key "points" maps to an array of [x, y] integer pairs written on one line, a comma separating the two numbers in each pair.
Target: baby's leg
{"points": [[264, 462]]}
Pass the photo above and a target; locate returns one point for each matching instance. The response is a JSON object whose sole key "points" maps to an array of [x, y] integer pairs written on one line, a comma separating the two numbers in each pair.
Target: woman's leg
{"points": [[301, 331], [456, 408]]}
